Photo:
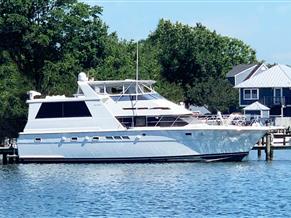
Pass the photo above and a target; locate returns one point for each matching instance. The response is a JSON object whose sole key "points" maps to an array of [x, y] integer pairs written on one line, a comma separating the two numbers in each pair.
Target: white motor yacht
{"points": [[125, 121]]}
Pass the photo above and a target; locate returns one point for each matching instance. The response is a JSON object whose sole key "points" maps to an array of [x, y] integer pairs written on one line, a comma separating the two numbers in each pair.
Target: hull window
{"points": [[37, 140], [109, 137], [74, 139], [95, 138], [63, 110], [117, 137], [125, 137]]}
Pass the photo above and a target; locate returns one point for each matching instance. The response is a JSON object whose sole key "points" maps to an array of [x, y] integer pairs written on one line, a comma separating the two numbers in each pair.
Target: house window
{"points": [[251, 94]]}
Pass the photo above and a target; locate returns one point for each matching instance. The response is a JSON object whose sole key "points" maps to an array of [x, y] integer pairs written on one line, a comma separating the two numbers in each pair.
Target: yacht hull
{"points": [[140, 145], [191, 158]]}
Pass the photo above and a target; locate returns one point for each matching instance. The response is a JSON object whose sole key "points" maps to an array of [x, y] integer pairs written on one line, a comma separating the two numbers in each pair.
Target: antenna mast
{"points": [[136, 73], [136, 83]]}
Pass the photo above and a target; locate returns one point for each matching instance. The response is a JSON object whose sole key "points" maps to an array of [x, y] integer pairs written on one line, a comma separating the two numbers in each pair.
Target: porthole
{"points": [[74, 139], [37, 140], [95, 138]]}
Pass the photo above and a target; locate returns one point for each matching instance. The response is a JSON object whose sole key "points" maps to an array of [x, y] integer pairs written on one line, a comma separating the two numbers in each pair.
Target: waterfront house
{"points": [[271, 87], [243, 72]]}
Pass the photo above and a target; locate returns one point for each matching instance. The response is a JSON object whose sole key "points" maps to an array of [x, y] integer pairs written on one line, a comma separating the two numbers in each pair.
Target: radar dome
{"points": [[82, 77]]}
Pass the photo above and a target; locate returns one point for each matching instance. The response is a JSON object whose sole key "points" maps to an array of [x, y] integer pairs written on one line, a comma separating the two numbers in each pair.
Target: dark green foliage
{"points": [[12, 98], [47, 43], [44, 44], [217, 94], [199, 59]]}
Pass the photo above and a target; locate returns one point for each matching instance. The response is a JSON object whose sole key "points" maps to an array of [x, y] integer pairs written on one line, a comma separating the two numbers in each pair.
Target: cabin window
{"points": [[95, 138], [140, 121], [188, 133], [251, 94], [63, 110], [126, 121]]}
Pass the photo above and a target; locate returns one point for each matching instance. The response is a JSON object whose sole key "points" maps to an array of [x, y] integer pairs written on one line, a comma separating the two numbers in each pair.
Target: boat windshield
{"points": [[122, 89]]}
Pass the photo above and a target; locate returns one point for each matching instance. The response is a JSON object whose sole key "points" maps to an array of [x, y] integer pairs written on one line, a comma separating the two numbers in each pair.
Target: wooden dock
{"points": [[9, 151], [273, 141]]}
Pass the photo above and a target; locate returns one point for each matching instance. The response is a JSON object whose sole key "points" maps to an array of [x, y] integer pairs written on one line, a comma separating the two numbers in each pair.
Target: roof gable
{"points": [[238, 69], [257, 69], [256, 106]]}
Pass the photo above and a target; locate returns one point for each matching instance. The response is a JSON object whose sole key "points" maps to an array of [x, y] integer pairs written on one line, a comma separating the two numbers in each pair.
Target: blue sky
{"points": [[264, 25]]}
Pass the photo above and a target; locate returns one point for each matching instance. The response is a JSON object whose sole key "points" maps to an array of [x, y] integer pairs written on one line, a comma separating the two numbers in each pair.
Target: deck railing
{"points": [[275, 101], [239, 120]]}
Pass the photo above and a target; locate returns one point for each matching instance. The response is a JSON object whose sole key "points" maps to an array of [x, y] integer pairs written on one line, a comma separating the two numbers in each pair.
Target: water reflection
{"points": [[252, 188]]}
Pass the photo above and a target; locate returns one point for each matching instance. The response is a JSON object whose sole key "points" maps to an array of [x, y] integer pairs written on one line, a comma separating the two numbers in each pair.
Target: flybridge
{"points": [[116, 87], [123, 87]]}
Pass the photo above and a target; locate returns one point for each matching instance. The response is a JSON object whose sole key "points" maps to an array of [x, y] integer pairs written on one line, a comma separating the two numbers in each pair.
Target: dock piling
{"points": [[4, 159], [268, 149], [260, 144]]}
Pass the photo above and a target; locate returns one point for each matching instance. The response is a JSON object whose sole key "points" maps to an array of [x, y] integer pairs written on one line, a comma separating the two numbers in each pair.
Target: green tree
{"points": [[12, 98], [196, 57], [216, 93], [41, 32], [46, 43]]}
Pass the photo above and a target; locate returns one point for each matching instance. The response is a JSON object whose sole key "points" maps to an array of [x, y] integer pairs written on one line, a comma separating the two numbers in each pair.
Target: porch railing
{"points": [[275, 101]]}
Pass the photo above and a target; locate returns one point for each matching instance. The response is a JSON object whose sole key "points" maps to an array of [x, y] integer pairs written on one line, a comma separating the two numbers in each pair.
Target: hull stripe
{"points": [[189, 158]]}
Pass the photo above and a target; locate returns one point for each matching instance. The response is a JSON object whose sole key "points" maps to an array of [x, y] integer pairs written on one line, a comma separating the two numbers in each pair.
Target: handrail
{"points": [[175, 120], [159, 121], [123, 93]]}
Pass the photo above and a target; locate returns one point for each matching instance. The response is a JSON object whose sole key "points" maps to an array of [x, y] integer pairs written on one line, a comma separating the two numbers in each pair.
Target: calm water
{"points": [[246, 189]]}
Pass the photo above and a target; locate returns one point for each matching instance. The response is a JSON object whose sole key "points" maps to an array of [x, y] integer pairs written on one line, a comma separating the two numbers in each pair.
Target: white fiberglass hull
{"points": [[140, 145]]}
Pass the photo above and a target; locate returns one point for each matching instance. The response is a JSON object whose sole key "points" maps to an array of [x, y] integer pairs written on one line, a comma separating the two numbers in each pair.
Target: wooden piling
{"points": [[260, 144], [4, 160], [269, 150], [9, 154]]}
